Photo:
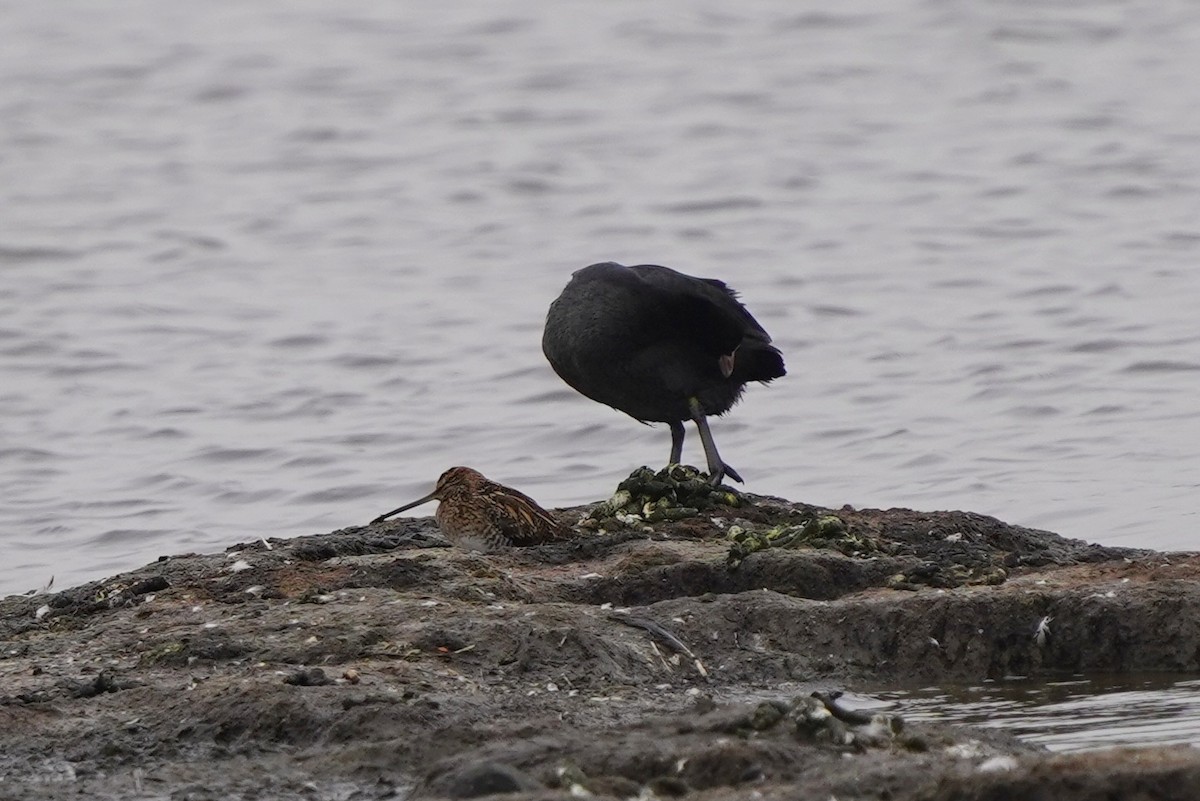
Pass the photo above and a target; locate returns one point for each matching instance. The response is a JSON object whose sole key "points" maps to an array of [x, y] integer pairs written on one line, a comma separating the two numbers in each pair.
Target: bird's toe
{"points": [[726, 471]]}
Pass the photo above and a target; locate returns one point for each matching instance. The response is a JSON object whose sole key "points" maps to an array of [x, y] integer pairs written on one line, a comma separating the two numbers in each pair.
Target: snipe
{"points": [[478, 514]]}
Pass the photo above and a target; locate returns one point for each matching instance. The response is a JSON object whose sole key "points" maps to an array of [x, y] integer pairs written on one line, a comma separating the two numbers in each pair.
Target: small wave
{"points": [[1042, 291], [840, 433], [349, 492], [164, 433], [156, 479], [1161, 366], [924, 460], [1041, 410], [234, 454], [1125, 191], [353, 440], [834, 311], [1098, 346], [1061, 31], [19, 255], [1019, 344], [826, 19], [217, 93], [715, 204], [117, 504], [37, 348], [26, 455], [311, 461], [248, 496], [358, 361], [88, 369], [1107, 409], [549, 396], [299, 341], [1014, 232], [122, 535]]}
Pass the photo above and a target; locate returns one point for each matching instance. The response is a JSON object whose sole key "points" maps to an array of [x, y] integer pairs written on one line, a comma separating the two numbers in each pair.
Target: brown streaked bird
{"points": [[478, 514]]}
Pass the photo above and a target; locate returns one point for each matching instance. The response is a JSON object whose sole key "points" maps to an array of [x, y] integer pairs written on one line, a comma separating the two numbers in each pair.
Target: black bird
{"points": [[660, 346]]}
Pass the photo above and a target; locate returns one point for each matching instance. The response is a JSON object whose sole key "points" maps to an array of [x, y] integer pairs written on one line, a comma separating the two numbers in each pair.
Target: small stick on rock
{"points": [[664, 636]]}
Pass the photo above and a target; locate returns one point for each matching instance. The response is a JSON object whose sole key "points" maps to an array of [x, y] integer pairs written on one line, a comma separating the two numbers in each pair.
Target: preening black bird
{"points": [[660, 346]]}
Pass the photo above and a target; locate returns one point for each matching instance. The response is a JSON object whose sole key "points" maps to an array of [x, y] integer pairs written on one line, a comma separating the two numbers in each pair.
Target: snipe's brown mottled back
{"points": [[478, 514]]}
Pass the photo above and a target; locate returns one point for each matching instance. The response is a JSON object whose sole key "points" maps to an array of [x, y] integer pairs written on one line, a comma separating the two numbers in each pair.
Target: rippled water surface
{"points": [[267, 268], [1074, 715]]}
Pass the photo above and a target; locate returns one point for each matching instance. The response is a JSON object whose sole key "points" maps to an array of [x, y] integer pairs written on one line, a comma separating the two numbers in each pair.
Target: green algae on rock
{"points": [[821, 531], [674, 493], [952, 560]]}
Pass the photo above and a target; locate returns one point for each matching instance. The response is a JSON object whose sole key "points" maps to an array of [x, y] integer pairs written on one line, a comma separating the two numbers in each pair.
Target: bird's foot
{"points": [[716, 477]]}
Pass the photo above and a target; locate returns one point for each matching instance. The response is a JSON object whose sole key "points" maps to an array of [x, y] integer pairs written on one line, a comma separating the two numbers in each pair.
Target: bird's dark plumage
{"points": [[658, 345]]}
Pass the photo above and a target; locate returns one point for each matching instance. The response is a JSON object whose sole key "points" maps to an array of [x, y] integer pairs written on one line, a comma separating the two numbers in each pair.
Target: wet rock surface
{"points": [[660, 657]]}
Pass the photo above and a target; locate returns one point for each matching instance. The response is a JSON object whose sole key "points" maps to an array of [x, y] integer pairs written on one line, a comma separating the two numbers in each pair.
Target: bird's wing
{"points": [[520, 519], [713, 310], [716, 317]]}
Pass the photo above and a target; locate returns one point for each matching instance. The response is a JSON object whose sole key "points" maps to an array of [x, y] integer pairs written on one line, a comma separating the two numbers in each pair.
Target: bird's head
{"points": [[457, 479]]}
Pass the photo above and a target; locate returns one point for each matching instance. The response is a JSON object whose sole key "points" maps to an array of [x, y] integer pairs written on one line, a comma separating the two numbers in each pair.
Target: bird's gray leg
{"points": [[717, 469], [677, 434]]}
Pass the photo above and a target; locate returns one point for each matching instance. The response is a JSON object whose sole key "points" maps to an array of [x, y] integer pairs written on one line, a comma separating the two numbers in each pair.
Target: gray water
{"points": [[267, 268], [1078, 714]]}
